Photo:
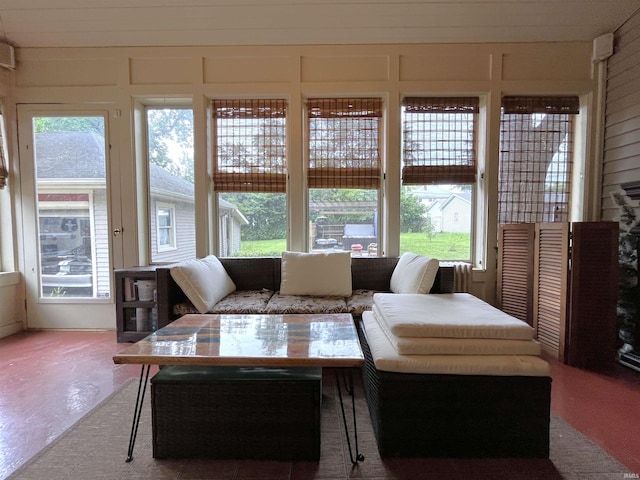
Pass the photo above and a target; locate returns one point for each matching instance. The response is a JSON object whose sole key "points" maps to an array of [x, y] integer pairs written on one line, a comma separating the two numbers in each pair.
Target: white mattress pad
{"points": [[458, 346], [447, 315], [387, 359]]}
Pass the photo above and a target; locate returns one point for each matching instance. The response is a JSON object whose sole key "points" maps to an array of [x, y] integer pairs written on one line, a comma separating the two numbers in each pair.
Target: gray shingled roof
{"points": [[70, 155], [164, 181], [81, 155], [466, 196]]}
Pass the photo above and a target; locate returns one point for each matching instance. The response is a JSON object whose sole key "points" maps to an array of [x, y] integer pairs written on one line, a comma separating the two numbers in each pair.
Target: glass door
{"points": [[64, 162]]}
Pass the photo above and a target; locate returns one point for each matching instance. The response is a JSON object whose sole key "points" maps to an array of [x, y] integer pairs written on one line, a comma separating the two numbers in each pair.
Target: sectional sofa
{"points": [[434, 388]]}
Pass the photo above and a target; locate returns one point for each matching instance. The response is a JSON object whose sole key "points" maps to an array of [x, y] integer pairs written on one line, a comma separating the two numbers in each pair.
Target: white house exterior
{"points": [[230, 222], [448, 211], [456, 213]]}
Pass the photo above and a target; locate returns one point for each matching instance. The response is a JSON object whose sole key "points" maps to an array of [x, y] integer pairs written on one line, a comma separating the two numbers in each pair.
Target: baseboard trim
{"points": [[10, 329]]}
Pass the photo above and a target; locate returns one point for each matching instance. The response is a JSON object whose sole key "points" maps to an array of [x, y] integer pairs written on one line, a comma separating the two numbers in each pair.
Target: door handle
{"points": [[117, 231]]}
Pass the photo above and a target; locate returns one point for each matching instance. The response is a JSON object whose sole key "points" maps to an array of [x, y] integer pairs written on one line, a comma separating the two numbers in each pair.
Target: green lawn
{"points": [[445, 246], [262, 248]]}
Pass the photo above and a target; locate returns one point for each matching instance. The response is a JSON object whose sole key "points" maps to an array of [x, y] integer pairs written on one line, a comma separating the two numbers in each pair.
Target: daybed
{"points": [[450, 376], [257, 288]]}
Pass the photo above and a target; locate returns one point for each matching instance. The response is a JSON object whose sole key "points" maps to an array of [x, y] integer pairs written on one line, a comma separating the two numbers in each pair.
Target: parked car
{"points": [[69, 273]]}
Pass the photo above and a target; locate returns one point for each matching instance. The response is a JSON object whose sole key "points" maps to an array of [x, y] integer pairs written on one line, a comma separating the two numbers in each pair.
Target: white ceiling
{"points": [[97, 23]]}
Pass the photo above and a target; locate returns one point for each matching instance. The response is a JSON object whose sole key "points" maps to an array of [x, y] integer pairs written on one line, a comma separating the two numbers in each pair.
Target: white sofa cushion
{"points": [[414, 274], [204, 281], [447, 315], [386, 358], [316, 274]]}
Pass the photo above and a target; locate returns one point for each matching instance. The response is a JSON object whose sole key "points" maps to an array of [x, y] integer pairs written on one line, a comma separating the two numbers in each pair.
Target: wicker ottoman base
{"points": [[236, 412], [428, 415]]}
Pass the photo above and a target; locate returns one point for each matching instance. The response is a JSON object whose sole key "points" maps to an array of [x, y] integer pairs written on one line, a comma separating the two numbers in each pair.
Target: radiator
{"points": [[461, 277]]}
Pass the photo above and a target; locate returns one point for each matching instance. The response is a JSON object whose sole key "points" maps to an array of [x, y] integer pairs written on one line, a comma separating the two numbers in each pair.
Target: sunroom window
{"points": [[171, 183], [439, 167], [536, 157], [250, 176], [344, 172]]}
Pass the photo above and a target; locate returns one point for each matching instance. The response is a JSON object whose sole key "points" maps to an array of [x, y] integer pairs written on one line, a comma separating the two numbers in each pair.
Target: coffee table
{"points": [[291, 340]]}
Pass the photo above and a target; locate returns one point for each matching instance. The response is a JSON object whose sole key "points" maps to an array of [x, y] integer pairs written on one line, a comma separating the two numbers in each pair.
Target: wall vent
{"points": [[7, 56]]}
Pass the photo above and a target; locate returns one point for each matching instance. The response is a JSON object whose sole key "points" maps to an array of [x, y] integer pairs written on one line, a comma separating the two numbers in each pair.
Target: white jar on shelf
{"points": [[142, 316]]}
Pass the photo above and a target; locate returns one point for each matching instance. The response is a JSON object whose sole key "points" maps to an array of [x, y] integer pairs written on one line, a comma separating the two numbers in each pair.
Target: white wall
{"points": [[12, 311], [12, 294], [122, 77]]}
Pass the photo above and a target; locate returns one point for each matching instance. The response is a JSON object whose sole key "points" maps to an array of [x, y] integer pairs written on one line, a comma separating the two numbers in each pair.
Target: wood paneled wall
{"points": [[622, 116]]}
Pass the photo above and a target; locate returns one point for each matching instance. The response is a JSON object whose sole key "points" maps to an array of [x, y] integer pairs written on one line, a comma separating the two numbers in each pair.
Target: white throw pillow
{"points": [[414, 274], [204, 281], [316, 274]]}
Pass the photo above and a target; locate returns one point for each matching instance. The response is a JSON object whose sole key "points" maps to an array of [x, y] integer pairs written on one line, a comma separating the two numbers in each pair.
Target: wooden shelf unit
{"points": [[130, 328]]}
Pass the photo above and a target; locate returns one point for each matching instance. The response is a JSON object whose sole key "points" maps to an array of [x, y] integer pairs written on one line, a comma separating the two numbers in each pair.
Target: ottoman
{"points": [[236, 412]]}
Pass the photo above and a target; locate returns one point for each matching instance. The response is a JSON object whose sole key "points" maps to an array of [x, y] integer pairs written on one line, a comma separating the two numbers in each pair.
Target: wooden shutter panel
{"points": [[515, 270], [574, 284], [591, 329], [550, 289]]}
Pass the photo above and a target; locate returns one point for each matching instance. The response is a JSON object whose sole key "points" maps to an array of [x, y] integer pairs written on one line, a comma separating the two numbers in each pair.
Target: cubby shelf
{"points": [[135, 318]]}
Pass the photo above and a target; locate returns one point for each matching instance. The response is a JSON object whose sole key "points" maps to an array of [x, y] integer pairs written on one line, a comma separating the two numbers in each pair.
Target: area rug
{"points": [[95, 449]]}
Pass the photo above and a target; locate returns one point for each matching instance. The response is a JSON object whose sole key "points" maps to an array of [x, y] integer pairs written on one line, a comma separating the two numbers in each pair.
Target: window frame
{"points": [[443, 173], [4, 169], [178, 198], [536, 188], [231, 179], [172, 228], [357, 174]]}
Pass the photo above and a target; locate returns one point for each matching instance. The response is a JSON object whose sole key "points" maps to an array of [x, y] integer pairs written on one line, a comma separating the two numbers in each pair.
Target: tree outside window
{"points": [[536, 157], [171, 188]]}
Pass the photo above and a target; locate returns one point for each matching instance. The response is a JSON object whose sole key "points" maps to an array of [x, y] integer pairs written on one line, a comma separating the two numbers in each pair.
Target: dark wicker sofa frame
{"points": [[434, 415]]}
